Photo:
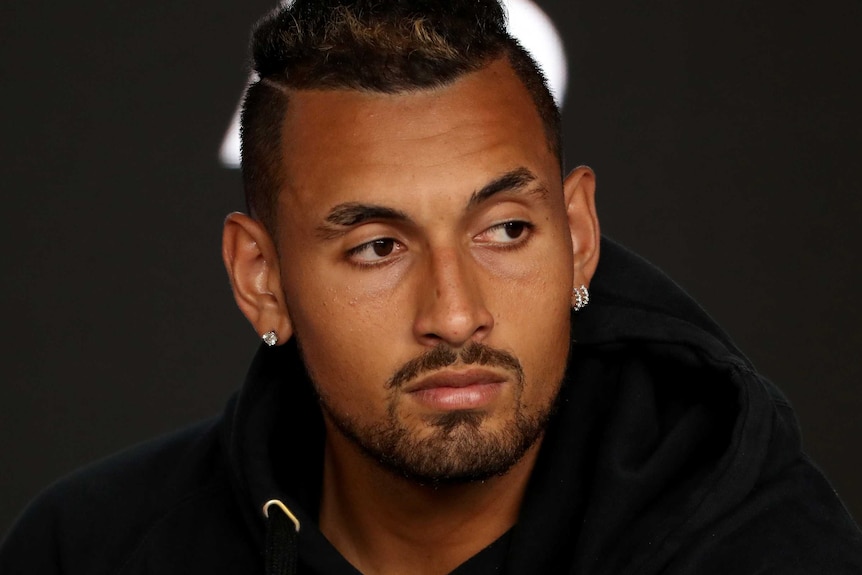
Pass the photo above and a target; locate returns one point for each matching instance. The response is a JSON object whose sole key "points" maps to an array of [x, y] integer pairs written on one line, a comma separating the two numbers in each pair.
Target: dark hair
{"points": [[387, 46]]}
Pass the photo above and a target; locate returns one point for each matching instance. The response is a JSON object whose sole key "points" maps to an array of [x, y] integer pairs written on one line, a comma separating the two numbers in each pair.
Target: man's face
{"points": [[427, 267]]}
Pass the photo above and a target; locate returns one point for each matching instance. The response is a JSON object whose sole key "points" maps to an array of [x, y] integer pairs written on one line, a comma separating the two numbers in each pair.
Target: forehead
{"points": [[339, 145]]}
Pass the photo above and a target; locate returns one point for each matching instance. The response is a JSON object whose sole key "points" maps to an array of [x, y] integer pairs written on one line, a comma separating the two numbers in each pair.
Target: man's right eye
{"points": [[375, 251]]}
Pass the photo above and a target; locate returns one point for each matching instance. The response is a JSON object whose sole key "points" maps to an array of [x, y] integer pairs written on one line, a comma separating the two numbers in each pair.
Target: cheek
{"points": [[349, 342], [544, 351], [534, 295], [533, 320], [346, 371]]}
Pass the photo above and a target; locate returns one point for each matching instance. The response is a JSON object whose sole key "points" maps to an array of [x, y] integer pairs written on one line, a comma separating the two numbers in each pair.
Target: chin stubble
{"points": [[454, 448]]}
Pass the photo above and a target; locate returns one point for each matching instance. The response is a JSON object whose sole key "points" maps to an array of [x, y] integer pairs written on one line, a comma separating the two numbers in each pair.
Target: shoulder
{"points": [[792, 522], [788, 519], [97, 518]]}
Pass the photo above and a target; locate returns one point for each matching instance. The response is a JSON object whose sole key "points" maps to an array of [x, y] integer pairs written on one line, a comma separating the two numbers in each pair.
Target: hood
{"points": [[662, 426], [663, 429]]}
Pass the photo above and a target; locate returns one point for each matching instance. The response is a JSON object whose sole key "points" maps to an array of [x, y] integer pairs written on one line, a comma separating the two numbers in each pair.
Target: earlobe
{"points": [[251, 261], [579, 190]]}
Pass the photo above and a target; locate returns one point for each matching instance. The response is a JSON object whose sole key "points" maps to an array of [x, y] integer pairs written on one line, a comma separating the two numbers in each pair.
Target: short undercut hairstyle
{"points": [[386, 46]]}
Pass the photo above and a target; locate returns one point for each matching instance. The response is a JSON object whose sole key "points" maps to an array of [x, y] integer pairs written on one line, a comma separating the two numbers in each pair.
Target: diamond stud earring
{"points": [[581, 297]]}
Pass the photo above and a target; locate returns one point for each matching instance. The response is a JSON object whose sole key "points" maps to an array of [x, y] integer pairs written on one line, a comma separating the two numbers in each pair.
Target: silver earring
{"points": [[581, 296], [270, 338]]}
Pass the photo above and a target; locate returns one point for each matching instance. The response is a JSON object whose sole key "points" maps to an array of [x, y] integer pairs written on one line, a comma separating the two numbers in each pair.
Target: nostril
{"points": [[455, 326]]}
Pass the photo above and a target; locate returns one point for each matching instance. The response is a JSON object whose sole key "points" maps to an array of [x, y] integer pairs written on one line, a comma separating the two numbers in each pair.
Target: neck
{"points": [[383, 523]]}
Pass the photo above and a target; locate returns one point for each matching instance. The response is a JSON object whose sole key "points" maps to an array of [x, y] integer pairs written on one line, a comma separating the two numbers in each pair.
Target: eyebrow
{"points": [[513, 181], [349, 214]]}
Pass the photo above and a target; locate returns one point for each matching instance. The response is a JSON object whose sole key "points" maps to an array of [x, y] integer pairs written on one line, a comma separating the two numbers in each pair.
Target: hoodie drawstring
{"points": [[282, 531]]}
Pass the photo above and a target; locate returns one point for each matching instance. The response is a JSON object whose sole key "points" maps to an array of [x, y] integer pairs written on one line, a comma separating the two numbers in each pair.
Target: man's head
{"points": [[422, 247], [368, 45]]}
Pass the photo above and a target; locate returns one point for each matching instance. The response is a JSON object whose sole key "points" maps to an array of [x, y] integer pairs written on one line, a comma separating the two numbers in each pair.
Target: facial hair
{"points": [[453, 447]]}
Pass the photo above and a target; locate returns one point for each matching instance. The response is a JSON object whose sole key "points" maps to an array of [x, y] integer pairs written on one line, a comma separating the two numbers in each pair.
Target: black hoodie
{"points": [[668, 453]]}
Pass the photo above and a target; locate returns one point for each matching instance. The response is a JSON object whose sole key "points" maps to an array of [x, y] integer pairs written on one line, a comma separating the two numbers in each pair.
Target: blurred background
{"points": [[725, 135]]}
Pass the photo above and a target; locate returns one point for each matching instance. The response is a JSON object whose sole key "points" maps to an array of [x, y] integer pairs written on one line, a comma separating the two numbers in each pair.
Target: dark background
{"points": [[726, 139]]}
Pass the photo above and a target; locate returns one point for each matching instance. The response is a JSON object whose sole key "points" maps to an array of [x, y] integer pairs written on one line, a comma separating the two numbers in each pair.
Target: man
{"points": [[439, 391]]}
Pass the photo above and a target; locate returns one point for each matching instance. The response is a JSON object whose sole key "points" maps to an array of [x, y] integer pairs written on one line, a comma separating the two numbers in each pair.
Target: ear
{"points": [[251, 261], [579, 191]]}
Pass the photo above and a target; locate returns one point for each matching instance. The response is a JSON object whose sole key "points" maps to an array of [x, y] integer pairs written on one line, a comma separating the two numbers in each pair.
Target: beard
{"points": [[450, 448]]}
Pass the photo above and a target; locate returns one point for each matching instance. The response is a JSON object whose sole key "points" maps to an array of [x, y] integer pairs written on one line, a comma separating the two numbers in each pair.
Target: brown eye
{"points": [[514, 230], [511, 234], [383, 248], [375, 252]]}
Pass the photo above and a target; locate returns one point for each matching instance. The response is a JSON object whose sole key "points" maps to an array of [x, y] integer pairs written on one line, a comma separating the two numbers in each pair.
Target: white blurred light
{"points": [[229, 153], [527, 22], [536, 32]]}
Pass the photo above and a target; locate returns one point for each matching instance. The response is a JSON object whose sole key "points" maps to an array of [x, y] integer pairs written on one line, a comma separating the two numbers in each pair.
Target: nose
{"points": [[451, 306]]}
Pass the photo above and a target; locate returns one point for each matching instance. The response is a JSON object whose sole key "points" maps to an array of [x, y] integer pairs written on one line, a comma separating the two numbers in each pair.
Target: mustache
{"points": [[443, 355]]}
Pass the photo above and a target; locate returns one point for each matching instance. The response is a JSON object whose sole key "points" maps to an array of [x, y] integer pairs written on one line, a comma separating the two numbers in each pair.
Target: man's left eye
{"points": [[508, 232], [375, 251]]}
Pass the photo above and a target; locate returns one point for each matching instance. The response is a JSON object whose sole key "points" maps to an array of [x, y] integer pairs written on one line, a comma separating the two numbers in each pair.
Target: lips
{"points": [[451, 390], [457, 379]]}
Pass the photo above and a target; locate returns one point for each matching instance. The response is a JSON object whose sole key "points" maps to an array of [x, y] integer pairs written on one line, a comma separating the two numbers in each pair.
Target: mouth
{"points": [[458, 390]]}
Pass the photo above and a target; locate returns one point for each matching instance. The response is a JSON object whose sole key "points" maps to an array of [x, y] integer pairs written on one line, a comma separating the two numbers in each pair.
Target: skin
{"points": [[365, 298]]}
